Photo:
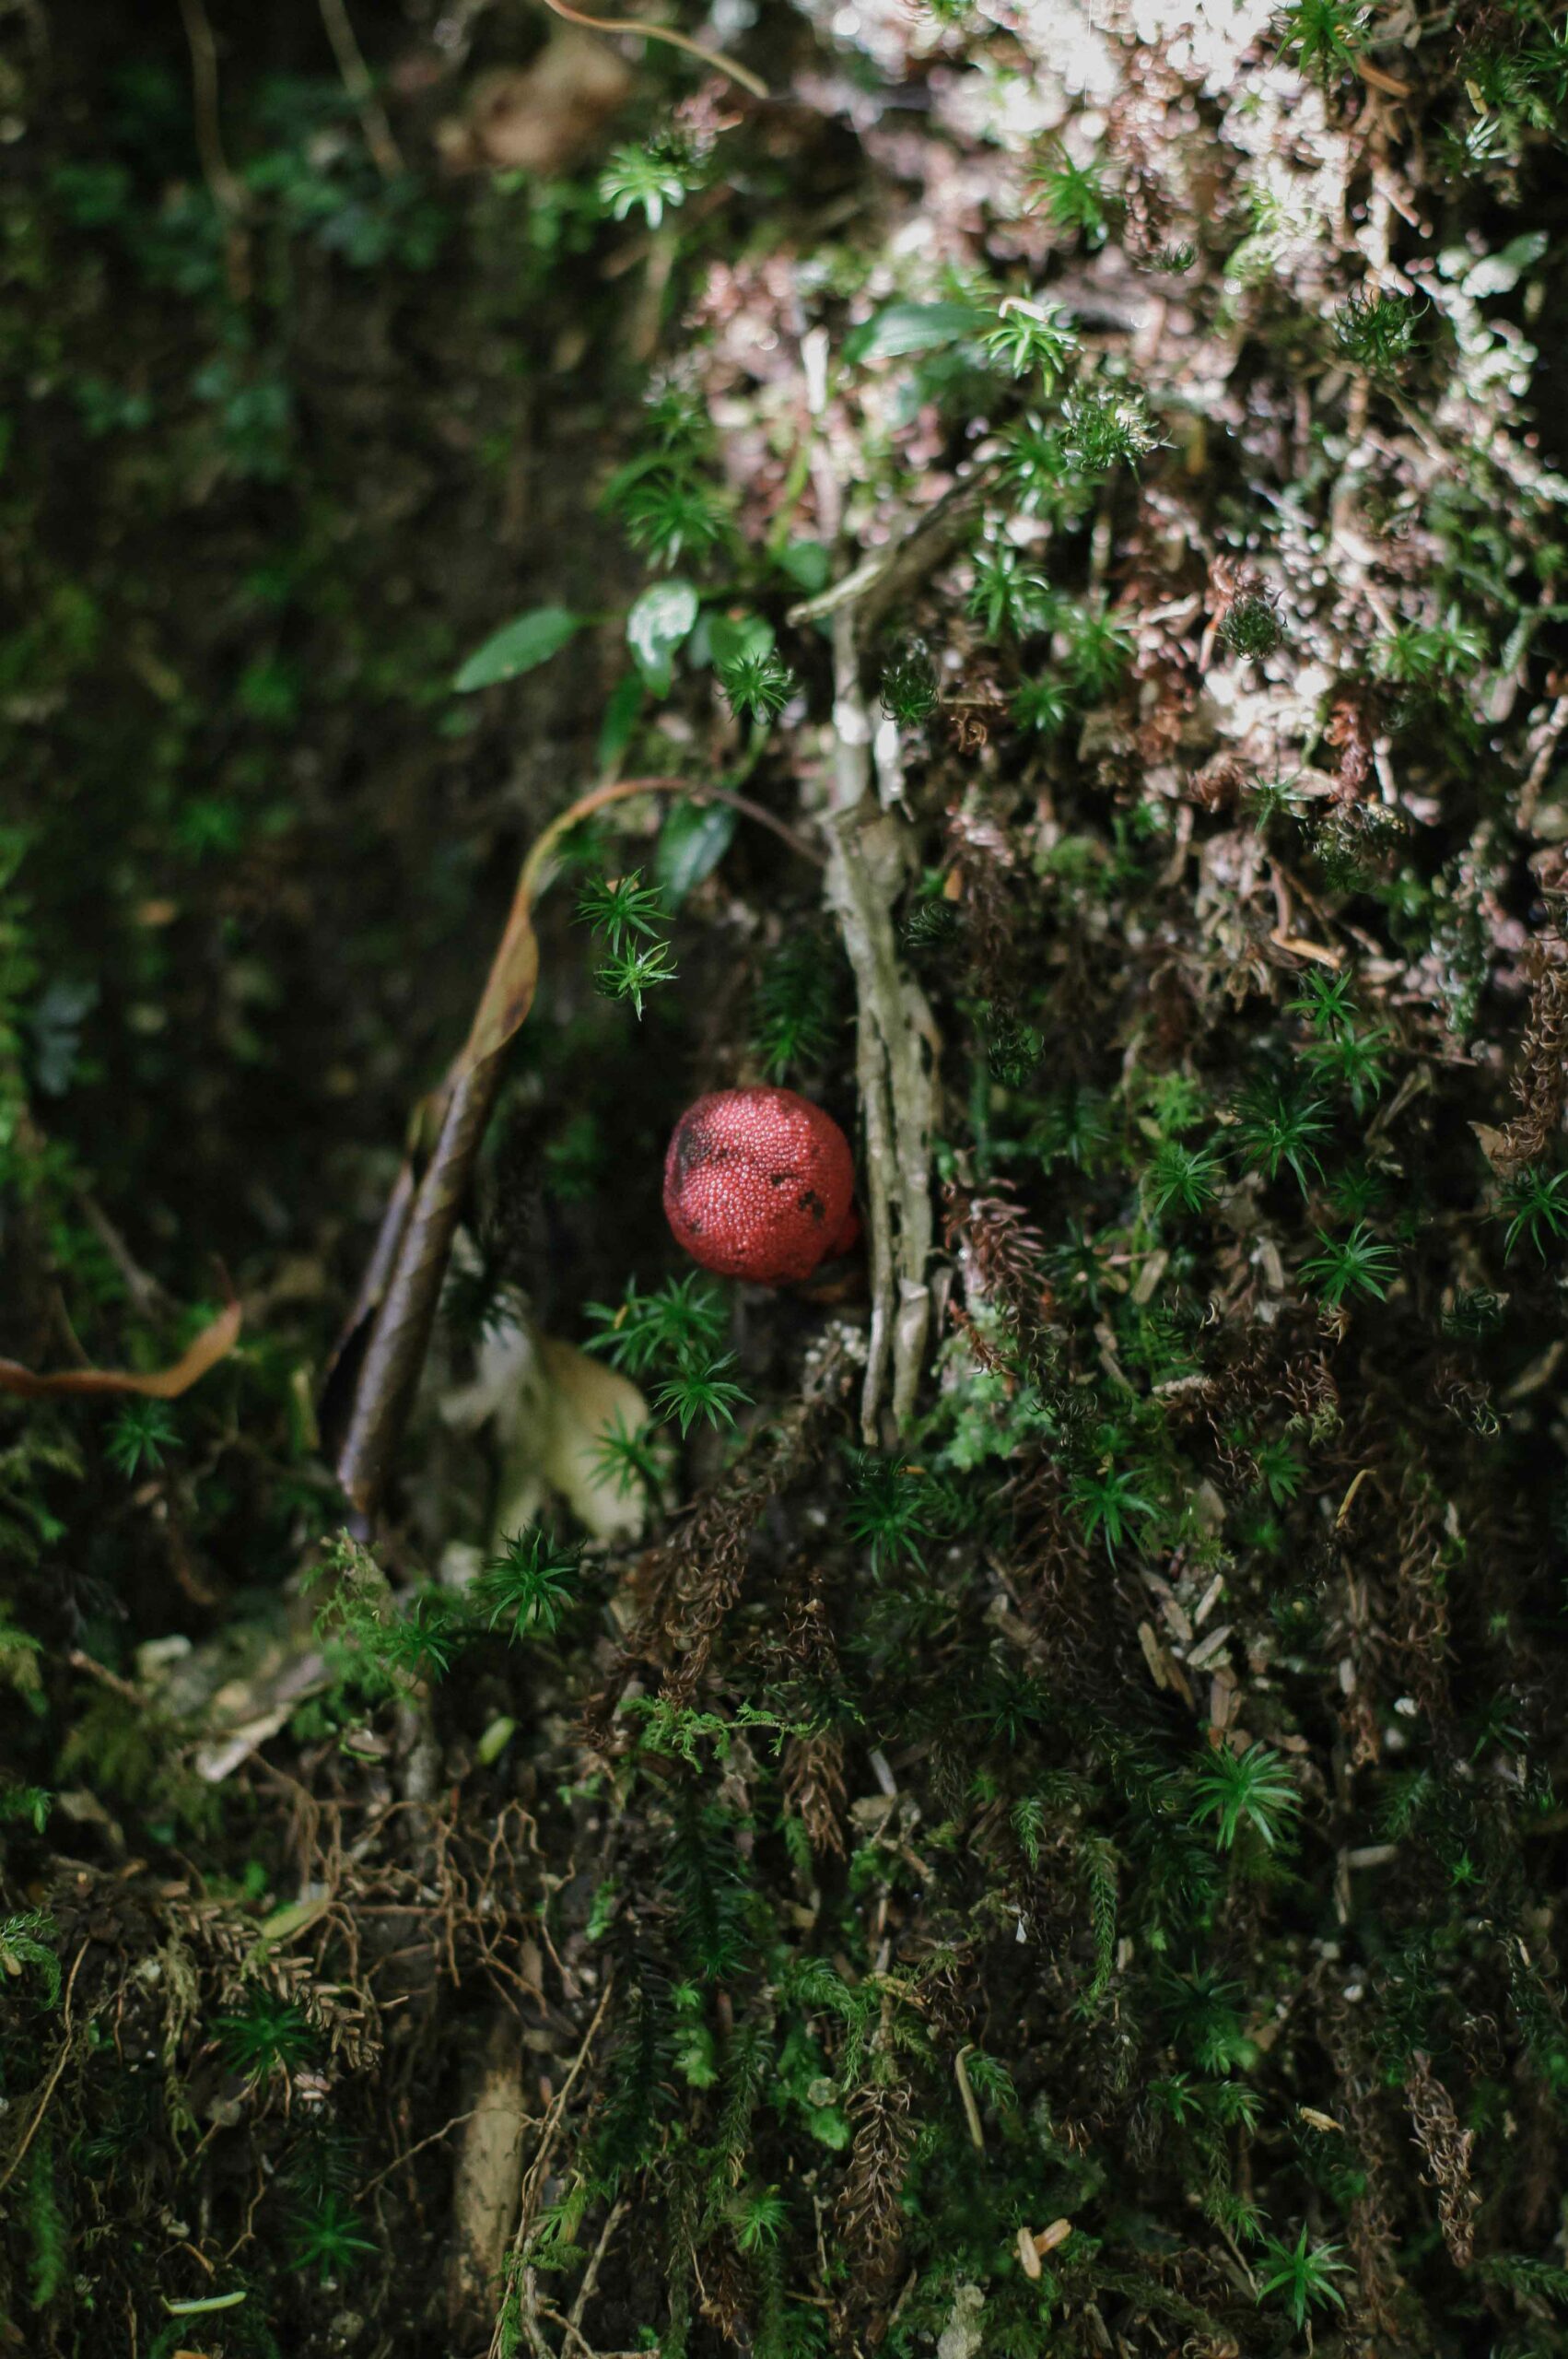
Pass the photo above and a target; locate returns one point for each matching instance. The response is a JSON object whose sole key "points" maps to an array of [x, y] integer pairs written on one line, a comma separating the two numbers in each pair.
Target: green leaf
{"points": [[621, 715], [911, 327], [658, 624], [807, 564], [519, 646], [731, 639], [693, 840]]}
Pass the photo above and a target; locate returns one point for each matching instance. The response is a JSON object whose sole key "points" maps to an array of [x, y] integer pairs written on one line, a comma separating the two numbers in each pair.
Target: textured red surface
{"points": [[758, 1184]]}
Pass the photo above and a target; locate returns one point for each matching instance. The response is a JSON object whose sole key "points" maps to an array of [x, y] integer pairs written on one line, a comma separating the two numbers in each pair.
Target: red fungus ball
{"points": [[758, 1184]]}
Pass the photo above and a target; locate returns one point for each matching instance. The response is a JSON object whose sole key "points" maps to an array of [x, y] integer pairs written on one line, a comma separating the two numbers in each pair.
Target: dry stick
{"points": [[590, 2274], [436, 2135], [896, 1035], [356, 82], [13, 2166], [227, 191], [534, 2176], [416, 1235], [714, 58]]}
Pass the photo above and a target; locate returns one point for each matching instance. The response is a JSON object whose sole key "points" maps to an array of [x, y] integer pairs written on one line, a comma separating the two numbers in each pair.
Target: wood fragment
{"points": [[971, 2110]]}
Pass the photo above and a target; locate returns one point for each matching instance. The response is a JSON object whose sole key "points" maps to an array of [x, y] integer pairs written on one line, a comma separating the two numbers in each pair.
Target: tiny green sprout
{"points": [[1187, 1177], [796, 1016], [1417, 654], [1327, 1001], [909, 686], [669, 514], [32, 1802], [1535, 1205], [1236, 2105], [1006, 599], [1175, 2097], [1038, 471], [330, 2238], [271, 2032], [1014, 1049], [1474, 1312], [756, 687], [1074, 1127], [1279, 1471], [1376, 333], [627, 1459], [1174, 258], [888, 1509], [1105, 426], [1205, 2015], [1030, 339], [1072, 195], [531, 1585], [141, 1433], [677, 420], [1352, 1265], [1176, 1101], [1107, 1504], [622, 907], [24, 1942], [932, 924], [1041, 705], [1099, 648], [1250, 627], [1353, 1062], [647, 178], [1275, 1132], [1326, 34], [761, 2221], [1302, 2276], [684, 1319], [630, 973], [1252, 1788], [705, 1393], [416, 1643], [1273, 798]]}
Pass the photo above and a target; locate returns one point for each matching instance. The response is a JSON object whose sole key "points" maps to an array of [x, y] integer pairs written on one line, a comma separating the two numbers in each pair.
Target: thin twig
{"points": [[590, 2274], [897, 1039], [436, 2135], [714, 58], [13, 2166], [227, 191], [85, 1663], [888, 574], [356, 81], [534, 2176]]}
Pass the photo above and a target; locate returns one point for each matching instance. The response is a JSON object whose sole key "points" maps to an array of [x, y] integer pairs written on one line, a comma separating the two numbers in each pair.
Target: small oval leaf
{"points": [[519, 646], [731, 638], [693, 840], [662, 618], [902, 328], [621, 715]]}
